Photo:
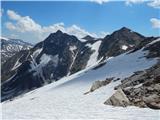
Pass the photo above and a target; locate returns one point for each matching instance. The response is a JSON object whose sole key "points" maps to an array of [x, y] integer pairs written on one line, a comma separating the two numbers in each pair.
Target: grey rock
{"points": [[118, 99]]}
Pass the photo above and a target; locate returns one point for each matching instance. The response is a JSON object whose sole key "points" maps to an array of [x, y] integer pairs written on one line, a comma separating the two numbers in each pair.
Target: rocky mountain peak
{"points": [[126, 32], [125, 29], [88, 37], [59, 32], [119, 42]]}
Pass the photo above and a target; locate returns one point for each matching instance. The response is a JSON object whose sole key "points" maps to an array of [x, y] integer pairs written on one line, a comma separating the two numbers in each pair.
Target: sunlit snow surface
{"points": [[65, 100]]}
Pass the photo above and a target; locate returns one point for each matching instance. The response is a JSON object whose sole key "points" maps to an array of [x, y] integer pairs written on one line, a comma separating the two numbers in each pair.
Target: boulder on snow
{"points": [[118, 99], [97, 84]]}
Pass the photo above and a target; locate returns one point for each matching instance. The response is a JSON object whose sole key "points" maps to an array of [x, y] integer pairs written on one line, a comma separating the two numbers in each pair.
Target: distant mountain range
{"points": [[9, 47], [60, 55]]}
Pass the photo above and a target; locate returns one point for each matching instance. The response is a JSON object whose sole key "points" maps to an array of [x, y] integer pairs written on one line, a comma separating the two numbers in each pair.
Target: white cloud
{"points": [[13, 15], [154, 4], [23, 24], [77, 31], [130, 2], [26, 26], [99, 1], [10, 26], [155, 22], [151, 3]]}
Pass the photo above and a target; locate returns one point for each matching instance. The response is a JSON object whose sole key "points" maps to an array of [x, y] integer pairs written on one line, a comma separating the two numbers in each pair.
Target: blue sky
{"points": [[90, 17]]}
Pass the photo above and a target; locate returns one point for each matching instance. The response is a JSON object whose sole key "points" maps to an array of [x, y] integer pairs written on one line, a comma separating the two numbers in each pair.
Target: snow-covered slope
{"points": [[65, 98]]}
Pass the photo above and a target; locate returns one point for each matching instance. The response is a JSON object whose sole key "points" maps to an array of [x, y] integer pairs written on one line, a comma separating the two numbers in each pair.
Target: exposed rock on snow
{"points": [[97, 84], [118, 99], [142, 89]]}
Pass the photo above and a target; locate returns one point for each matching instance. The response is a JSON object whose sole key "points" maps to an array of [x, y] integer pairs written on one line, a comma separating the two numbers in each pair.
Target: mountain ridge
{"points": [[61, 55], [9, 47]]}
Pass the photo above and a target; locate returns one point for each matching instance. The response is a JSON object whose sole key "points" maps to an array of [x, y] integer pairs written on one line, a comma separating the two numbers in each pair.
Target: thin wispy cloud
{"points": [[155, 4], [99, 1], [130, 2], [155, 22], [151, 3]]}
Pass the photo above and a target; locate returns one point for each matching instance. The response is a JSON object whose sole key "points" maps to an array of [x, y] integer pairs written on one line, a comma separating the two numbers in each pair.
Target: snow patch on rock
{"points": [[72, 48], [45, 59], [37, 52], [93, 58], [124, 47], [88, 45]]}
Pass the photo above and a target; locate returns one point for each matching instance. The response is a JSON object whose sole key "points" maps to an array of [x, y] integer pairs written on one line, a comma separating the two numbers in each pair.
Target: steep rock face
{"points": [[119, 42], [9, 68], [64, 48], [9, 47]]}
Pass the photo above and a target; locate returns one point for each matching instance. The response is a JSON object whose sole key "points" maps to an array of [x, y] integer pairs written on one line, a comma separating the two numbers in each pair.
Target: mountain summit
{"points": [[120, 41], [124, 29], [88, 38]]}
